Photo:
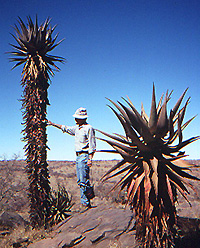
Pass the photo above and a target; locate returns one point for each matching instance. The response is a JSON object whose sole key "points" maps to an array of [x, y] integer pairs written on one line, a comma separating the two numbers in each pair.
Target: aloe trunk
{"points": [[33, 45]]}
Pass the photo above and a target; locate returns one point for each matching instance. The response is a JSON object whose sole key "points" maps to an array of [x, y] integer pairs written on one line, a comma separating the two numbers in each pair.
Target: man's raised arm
{"points": [[50, 123]]}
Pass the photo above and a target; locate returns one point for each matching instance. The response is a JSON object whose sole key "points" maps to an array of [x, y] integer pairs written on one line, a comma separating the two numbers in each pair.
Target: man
{"points": [[85, 147]]}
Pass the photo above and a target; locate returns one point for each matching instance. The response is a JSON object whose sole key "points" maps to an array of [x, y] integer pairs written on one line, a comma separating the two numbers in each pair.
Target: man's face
{"points": [[80, 121]]}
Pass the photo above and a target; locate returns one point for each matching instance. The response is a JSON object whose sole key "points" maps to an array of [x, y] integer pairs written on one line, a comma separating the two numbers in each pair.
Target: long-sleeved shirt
{"points": [[84, 137]]}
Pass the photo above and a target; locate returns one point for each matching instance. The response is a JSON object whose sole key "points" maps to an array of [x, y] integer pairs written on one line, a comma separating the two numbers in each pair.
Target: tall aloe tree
{"points": [[152, 168], [34, 43]]}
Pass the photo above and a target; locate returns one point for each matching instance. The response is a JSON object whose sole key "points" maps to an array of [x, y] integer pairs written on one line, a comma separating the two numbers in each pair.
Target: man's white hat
{"points": [[81, 113]]}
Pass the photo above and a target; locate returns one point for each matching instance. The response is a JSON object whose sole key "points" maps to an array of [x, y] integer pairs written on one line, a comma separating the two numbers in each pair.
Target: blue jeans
{"points": [[82, 171]]}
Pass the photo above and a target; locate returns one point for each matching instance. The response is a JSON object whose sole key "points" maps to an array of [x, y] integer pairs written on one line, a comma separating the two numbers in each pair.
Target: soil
{"points": [[107, 224]]}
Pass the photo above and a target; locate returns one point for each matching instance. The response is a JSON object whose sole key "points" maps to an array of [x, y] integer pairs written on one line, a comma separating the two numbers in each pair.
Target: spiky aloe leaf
{"points": [[153, 169], [162, 124], [153, 115]]}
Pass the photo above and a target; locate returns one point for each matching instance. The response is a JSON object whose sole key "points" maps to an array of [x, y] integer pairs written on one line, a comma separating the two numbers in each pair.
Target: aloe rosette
{"points": [[152, 168]]}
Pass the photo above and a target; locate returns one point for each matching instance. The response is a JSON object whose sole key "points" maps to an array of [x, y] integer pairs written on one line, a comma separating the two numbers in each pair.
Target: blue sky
{"points": [[113, 48]]}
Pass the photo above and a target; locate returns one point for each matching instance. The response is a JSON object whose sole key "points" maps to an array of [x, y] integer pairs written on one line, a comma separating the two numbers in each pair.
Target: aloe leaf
{"points": [[144, 115], [169, 96], [131, 133], [173, 137], [184, 143], [109, 151], [16, 37], [180, 136], [19, 63], [181, 191], [123, 122], [121, 181], [155, 182], [129, 158], [132, 117], [119, 164], [147, 189], [17, 32], [169, 190], [119, 108], [182, 112], [162, 124], [188, 122], [180, 171], [184, 164], [146, 168], [36, 22], [113, 137], [23, 27], [134, 186], [138, 123], [171, 127], [129, 102], [122, 137], [174, 149], [140, 120], [177, 105], [147, 185], [121, 171], [30, 22], [23, 50], [18, 54], [129, 151], [154, 164], [176, 157], [166, 191], [174, 177], [153, 114], [138, 171], [160, 103], [52, 47]]}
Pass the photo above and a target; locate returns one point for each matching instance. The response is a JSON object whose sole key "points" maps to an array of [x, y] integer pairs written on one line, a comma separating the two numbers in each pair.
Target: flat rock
{"points": [[101, 226]]}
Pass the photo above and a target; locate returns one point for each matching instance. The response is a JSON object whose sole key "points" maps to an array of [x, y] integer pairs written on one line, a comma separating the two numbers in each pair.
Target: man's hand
{"points": [[89, 162], [49, 122]]}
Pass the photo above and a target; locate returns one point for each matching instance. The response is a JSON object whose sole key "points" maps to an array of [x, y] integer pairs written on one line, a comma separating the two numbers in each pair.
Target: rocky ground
{"points": [[108, 224]]}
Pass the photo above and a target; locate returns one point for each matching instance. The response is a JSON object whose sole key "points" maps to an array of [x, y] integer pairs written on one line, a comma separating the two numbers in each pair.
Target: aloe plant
{"points": [[152, 168], [34, 43], [61, 204]]}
